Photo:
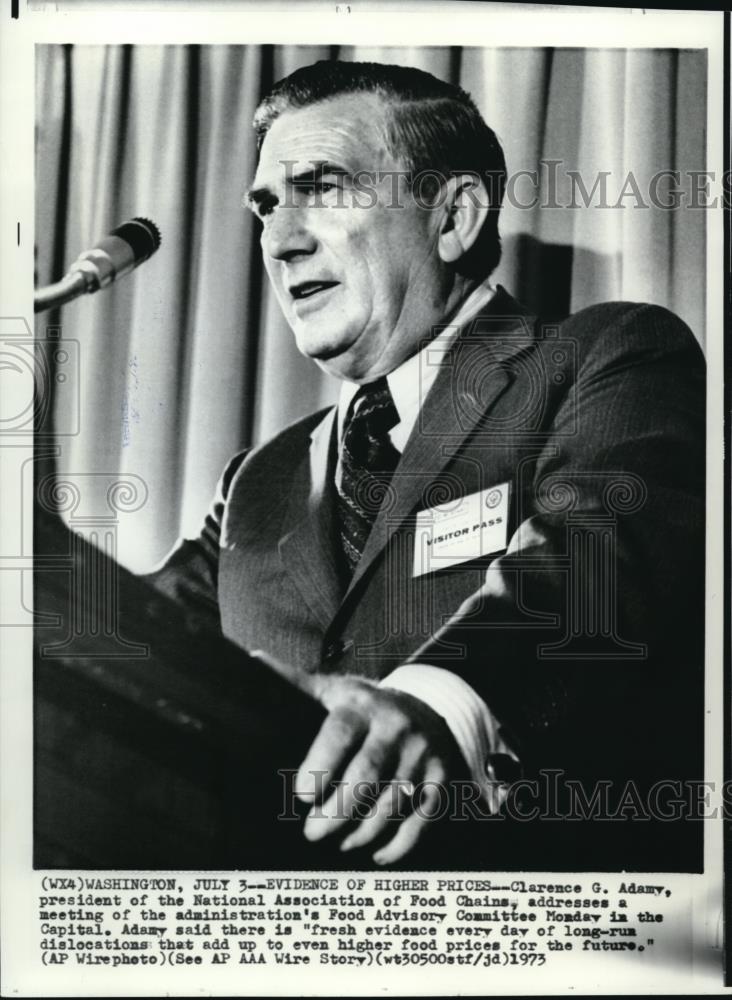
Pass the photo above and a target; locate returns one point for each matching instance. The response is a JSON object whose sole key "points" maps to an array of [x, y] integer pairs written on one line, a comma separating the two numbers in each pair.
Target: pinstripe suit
{"points": [[585, 637]]}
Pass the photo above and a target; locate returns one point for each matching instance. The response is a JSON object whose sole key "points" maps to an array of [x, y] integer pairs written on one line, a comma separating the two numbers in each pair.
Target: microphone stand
{"points": [[60, 292]]}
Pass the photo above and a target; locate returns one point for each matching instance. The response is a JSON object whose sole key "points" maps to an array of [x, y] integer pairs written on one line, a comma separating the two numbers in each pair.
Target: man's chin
{"points": [[337, 355], [321, 349]]}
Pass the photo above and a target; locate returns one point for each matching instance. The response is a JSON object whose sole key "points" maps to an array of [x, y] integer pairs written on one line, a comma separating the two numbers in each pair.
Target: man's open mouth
{"points": [[307, 289]]}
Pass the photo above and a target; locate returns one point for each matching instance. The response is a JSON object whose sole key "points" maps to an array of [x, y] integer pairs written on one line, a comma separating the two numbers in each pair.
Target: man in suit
{"points": [[487, 560]]}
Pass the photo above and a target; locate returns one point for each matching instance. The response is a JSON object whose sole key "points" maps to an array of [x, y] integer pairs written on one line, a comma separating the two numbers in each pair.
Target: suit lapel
{"points": [[307, 549], [473, 376]]}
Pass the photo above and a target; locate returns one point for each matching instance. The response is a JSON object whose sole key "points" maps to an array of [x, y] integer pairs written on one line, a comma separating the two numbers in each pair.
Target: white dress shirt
{"points": [[475, 729]]}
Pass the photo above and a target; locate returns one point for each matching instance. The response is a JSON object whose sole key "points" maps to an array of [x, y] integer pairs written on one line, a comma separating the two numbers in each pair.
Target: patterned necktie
{"points": [[368, 459]]}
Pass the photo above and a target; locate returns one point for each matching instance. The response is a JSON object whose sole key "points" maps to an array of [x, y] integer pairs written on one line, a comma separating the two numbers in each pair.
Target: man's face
{"points": [[356, 272]]}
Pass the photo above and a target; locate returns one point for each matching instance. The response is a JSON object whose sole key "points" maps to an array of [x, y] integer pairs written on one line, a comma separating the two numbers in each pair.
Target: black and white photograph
{"points": [[369, 523]]}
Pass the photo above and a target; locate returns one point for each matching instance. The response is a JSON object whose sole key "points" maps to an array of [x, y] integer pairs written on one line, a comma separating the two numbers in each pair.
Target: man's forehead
{"points": [[348, 130]]}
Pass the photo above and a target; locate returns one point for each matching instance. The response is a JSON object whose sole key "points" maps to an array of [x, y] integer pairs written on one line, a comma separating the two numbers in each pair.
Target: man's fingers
{"points": [[372, 764], [395, 802], [370, 739], [414, 826], [338, 737]]}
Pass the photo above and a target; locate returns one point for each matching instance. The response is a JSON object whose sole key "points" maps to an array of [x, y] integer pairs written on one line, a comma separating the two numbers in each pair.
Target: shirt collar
{"points": [[412, 380]]}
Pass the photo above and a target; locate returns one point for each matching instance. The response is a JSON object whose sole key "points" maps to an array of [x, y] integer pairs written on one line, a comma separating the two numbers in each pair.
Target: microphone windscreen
{"points": [[142, 235]]}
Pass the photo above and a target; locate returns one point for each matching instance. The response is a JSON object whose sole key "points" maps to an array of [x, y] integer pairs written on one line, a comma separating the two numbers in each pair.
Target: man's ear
{"points": [[465, 206]]}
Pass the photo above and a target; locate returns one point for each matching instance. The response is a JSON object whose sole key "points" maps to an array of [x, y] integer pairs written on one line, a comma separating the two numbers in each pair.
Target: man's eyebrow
{"points": [[316, 171], [265, 196]]}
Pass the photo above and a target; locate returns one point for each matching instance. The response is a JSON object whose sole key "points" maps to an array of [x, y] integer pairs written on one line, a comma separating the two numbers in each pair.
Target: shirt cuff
{"points": [[474, 727]]}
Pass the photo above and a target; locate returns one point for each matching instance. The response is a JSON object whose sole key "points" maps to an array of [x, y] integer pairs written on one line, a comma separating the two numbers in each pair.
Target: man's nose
{"points": [[287, 235]]}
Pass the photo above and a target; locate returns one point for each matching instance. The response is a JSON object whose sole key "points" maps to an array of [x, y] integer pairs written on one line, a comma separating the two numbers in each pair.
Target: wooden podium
{"points": [[157, 742]]}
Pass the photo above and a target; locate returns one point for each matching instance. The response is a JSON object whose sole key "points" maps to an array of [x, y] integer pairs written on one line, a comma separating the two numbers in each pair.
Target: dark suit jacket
{"points": [[585, 638]]}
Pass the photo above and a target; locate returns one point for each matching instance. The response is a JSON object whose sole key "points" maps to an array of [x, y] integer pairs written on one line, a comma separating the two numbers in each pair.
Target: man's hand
{"points": [[379, 737]]}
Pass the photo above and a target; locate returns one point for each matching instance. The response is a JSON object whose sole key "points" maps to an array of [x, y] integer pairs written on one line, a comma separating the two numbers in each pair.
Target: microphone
{"points": [[109, 259]]}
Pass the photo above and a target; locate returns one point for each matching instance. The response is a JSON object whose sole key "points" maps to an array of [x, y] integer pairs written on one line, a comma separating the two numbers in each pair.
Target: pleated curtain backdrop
{"points": [[190, 360]]}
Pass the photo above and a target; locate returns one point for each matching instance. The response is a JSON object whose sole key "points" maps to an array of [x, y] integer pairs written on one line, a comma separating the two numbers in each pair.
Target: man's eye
{"points": [[263, 208], [316, 187]]}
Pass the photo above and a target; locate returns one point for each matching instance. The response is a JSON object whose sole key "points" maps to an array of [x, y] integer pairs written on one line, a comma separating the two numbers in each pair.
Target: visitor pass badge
{"points": [[462, 529]]}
